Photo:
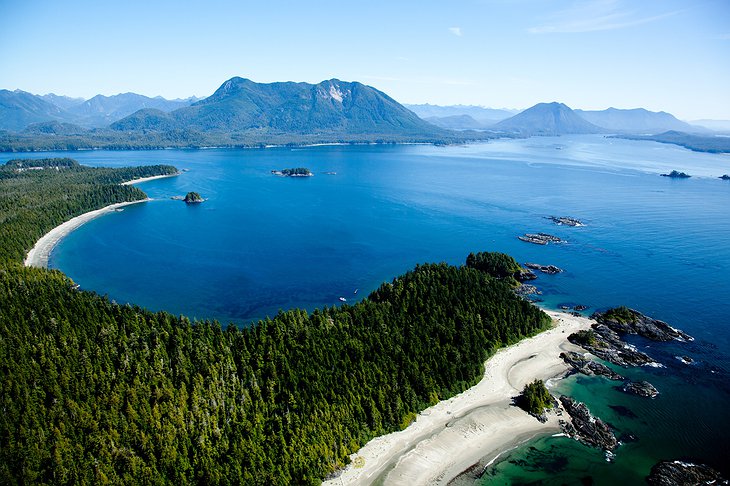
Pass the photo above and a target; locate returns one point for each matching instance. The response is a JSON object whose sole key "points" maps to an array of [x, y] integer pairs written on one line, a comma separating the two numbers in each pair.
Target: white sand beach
{"points": [[479, 423], [151, 178], [38, 255]]}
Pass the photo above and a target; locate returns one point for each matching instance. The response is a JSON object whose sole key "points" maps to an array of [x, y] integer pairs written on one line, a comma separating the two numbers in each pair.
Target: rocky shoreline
{"points": [[671, 473]]}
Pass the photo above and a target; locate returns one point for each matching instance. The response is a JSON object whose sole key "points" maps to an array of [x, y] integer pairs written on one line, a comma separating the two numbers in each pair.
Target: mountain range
{"points": [[19, 109], [245, 113]]}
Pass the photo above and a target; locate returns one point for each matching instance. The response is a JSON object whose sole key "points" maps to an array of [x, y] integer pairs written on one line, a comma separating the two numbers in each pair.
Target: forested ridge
{"points": [[95, 392], [37, 195]]}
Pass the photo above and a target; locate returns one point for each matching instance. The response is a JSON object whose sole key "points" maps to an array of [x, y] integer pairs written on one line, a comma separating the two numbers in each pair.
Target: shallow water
{"points": [[261, 243]]}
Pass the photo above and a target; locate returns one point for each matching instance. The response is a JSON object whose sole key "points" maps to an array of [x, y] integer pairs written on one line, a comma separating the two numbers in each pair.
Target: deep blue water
{"points": [[261, 243]]}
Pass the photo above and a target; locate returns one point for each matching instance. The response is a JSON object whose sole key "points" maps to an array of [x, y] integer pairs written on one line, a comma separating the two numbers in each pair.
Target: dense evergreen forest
{"points": [[37, 195], [95, 392]]}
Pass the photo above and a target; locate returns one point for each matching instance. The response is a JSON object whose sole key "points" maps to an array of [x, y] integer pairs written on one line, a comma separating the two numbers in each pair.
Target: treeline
{"points": [[95, 392], [32, 202], [152, 140]]}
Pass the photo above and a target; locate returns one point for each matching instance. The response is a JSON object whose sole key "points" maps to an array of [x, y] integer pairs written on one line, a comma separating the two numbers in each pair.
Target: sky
{"points": [[662, 55]]}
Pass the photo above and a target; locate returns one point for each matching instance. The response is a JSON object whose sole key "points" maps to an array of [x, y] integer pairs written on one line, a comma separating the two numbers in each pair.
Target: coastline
{"points": [[474, 427], [151, 178], [41, 251]]}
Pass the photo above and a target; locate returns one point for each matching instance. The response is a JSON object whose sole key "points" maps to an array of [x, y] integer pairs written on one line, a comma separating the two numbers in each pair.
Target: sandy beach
{"points": [[38, 255], [145, 179], [480, 423]]}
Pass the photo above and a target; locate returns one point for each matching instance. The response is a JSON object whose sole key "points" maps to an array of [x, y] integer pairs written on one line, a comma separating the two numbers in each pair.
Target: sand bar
{"points": [[479, 423], [38, 255]]}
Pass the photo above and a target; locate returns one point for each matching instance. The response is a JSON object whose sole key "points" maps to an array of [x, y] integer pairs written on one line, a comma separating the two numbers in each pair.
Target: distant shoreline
{"points": [[481, 423], [38, 255]]}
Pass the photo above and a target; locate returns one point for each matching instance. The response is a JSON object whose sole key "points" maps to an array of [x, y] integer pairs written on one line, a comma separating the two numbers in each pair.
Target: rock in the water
{"points": [[671, 473], [586, 428], [629, 321], [589, 367], [526, 275], [540, 238], [641, 388], [606, 344], [549, 269], [580, 307], [565, 220]]}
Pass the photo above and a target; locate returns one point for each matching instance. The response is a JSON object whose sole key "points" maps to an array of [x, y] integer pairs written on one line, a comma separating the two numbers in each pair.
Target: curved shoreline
{"points": [[473, 427], [41, 251]]}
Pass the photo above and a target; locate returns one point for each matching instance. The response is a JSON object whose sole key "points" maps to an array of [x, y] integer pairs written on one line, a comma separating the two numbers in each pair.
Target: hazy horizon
{"points": [[660, 55]]}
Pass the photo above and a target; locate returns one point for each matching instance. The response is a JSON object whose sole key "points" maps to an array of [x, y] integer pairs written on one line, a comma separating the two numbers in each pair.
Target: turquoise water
{"points": [[261, 243]]}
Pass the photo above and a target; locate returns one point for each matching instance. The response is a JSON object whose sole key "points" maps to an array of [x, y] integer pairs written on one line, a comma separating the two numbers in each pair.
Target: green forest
{"points": [[95, 392]]}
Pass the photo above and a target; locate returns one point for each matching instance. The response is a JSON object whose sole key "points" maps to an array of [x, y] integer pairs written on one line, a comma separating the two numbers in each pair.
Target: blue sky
{"points": [[658, 54]]}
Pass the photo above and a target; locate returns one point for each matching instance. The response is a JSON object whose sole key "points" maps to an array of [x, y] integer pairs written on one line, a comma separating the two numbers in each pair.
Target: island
{"points": [[677, 175], [725, 177], [565, 220], [296, 172], [540, 238], [193, 198]]}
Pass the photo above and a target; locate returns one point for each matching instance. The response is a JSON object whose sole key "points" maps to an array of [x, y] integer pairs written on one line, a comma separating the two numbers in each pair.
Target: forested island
{"points": [[96, 392]]}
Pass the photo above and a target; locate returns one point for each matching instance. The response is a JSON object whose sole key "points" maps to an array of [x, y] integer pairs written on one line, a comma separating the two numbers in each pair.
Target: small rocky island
{"points": [[549, 269], [677, 175], [193, 198], [725, 177], [295, 172], [667, 473], [586, 428], [565, 220], [540, 238]]}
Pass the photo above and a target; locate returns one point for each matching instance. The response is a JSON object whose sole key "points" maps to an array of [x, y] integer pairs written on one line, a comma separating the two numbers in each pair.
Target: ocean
{"points": [[261, 243]]}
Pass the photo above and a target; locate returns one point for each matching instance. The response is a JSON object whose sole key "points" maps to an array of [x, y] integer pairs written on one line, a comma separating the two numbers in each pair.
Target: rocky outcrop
{"points": [[629, 321], [565, 220], [549, 269], [675, 174], [526, 290], [671, 473], [585, 427], [581, 364], [641, 388], [606, 344], [540, 238], [525, 275]]}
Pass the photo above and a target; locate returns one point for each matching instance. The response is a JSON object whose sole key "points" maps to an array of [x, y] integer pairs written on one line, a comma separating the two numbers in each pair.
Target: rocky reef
{"points": [[549, 269], [629, 321], [540, 238], [588, 367], [671, 473], [585, 427], [565, 220], [607, 345], [641, 388]]}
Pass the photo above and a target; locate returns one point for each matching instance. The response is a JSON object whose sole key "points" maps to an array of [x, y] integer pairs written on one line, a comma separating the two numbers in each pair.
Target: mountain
{"points": [[637, 120], [101, 110], [485, 116], [54, 128], [325, 109], [715, 125], [547, 119], [19, 109], [63, 102], [458, 122]]}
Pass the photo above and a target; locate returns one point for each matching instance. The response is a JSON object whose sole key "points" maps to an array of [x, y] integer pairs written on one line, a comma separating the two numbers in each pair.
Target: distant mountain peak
{"points": [[552, 118]]}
